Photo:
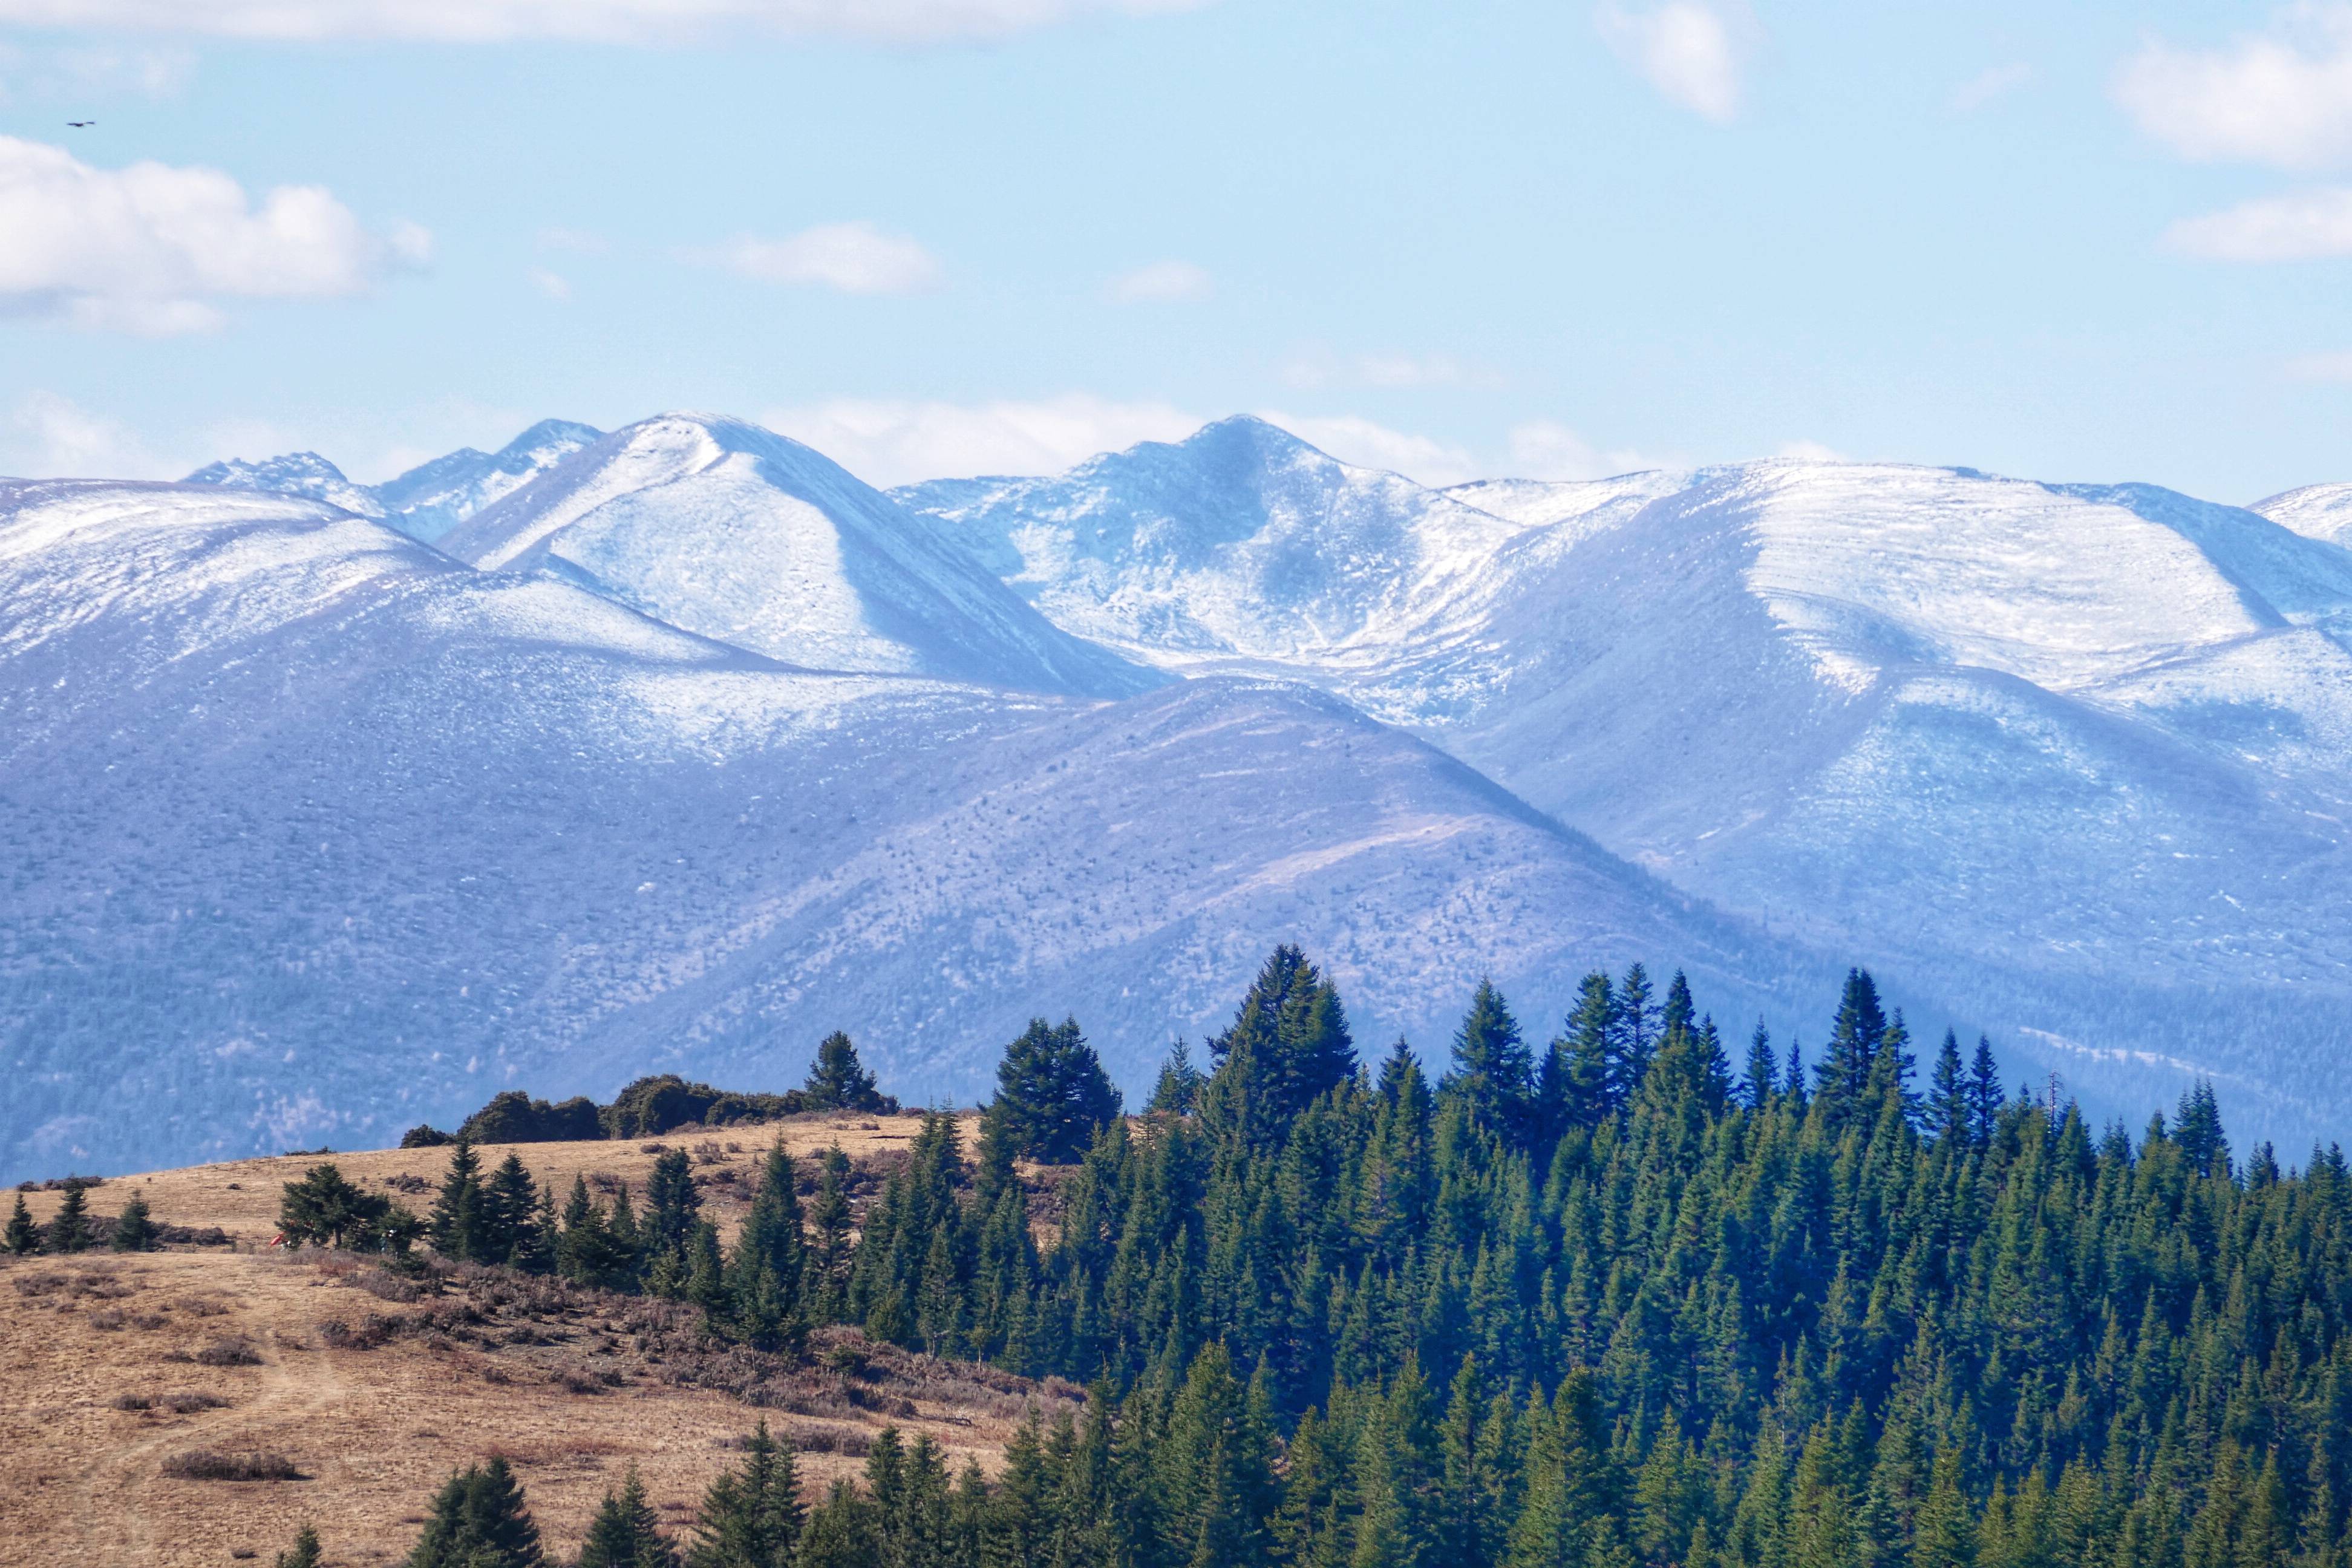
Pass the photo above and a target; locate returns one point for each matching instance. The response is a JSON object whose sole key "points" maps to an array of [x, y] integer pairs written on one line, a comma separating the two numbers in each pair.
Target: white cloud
{"points": [[554, 285], [44, 436], [604, 21], [1811, 452], [2282, 97], [1981, 88], [2301, 225], [1160, 282], [854, 258], [2322, 368], [73, 74], [1695, 52], [1548, 449], [1352, 440], [150, 249], [1317, 368], [893, 443]]}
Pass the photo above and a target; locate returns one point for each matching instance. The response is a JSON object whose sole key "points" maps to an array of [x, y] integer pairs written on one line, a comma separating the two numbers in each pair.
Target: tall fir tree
{"points": [[625, 1533], [752, 1516], [837, 1080], [70, 1226], [1052, 1092], [23, 1236], [479, 1520]]}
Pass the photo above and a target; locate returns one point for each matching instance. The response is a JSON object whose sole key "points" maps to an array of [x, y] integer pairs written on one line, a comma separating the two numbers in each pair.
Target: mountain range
{"points": [[328, 808]]}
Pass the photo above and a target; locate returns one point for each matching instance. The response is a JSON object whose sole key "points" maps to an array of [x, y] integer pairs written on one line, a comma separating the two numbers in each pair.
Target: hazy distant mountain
{"points": [[310, 832], [427, 501]]}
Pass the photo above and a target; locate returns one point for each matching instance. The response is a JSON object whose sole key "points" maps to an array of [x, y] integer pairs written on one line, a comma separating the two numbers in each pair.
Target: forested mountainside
{"points": [[1608, 1298]]}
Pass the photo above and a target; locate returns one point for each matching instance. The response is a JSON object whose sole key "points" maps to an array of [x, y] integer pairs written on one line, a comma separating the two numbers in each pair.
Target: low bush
{"points": [[204, 1464]]}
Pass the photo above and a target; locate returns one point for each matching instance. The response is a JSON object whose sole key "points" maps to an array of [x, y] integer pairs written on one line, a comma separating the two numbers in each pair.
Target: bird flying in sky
{"points": [[77, 124]]}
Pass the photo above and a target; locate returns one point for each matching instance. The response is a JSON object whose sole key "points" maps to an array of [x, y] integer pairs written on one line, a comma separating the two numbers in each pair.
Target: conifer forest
{"points": [[1620, 1294]]}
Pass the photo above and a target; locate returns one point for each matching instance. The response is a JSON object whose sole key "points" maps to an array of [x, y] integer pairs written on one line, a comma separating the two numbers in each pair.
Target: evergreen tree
{"points": [[135, 1230], [1589, 1042], [1762, 1078], [457, 1222], [479, 1520], [1492, 1072], [1287, 1045], [625, 1533], [23, 1236], [766, 1275], [752, 1516], [1985, 1097], [673, 1209], [1855, 1041], [304, 1552], [70, 1226], [326, 1209], [1179, 1084], [1950, 1116], [1052, 1092], [509, 1213], [837, 1080]]}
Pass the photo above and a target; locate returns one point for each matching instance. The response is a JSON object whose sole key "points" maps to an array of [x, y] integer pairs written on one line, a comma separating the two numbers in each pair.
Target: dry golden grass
{"points": [[240, 1196], [376, 1400]]}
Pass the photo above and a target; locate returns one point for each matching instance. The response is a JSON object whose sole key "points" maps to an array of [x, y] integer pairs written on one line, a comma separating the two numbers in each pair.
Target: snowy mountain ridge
{"points": [[427, 501], [312, 831]]}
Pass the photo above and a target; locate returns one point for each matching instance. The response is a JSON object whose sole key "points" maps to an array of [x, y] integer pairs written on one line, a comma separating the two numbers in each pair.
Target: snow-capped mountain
{"points": [[2077, 759], [740, 534], [310, 832], [303, 474], [426, 501], [433, 498], [1240, 543], [2316, 511]]}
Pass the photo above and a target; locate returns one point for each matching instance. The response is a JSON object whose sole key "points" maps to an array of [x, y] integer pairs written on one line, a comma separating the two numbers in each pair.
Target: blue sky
{"points": [[2087, 242]]}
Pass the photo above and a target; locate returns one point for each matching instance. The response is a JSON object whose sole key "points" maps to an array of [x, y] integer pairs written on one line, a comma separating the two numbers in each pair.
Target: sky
{"points": [[2088, 242]]}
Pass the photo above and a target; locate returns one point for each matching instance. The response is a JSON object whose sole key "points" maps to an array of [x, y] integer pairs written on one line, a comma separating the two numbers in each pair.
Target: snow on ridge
{"points": [[2316, 511]]}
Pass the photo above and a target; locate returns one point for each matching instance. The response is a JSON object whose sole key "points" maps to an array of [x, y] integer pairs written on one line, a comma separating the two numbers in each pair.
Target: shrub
{"points": [[204, 1464], [513, 1117], [425, 1136], [235, 1349]]}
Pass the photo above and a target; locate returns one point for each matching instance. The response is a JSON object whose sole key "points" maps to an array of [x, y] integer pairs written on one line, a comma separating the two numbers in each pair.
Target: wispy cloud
{"points": [[2301, 225], [1548, 449], [1695, 52], [1368, 444], [1315, 368], [854, 258], [887, 442], [1996, 83], [1160, 282], [2335, 367], [46, 435], [553, 285], [601, 21], [2282, 98], [153, 249]]}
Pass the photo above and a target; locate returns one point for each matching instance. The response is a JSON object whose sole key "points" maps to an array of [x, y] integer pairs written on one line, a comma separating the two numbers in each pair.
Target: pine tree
{"points": [[1287, 1045], [767, 1271], [837, 1080], [1762, 1079], [1854, 1040], [509, 1209], [1052, 1092], [1950, 1119], [23, 1236], [70, 1226], [455, 1223], [1985, 1097], [1589, 1040], [625, 1533], [135, 1230], [1492, 1072], [1178, 1088], [673, 1209], [304, 1552], [479, 1521]]}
